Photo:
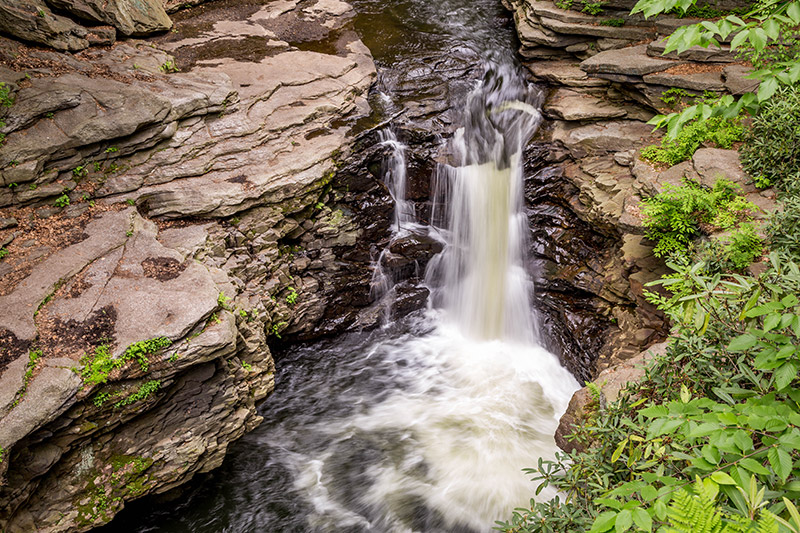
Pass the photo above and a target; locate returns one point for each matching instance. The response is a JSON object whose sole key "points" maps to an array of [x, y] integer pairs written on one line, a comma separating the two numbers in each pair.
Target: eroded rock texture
{"points": [[168, 207]]}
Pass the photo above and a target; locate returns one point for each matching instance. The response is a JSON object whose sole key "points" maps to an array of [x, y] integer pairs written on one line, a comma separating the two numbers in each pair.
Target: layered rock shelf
{"points": [[166, 207]]}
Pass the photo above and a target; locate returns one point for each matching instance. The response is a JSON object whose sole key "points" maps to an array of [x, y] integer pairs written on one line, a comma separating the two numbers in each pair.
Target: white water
{"points": [[476, 399]]}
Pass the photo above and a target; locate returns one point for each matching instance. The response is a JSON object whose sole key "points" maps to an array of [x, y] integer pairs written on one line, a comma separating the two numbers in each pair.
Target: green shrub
{"points": [[743, 247], [720, 132], [771, 151], [709, 439], [674, 217], [783, 231]]}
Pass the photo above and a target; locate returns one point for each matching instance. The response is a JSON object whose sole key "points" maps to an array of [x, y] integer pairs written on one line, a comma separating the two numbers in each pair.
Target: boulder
{"points": [[130, 17], [32, 21]]}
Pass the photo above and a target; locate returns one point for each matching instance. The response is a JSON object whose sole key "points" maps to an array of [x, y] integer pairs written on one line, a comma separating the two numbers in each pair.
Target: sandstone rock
{"points": [[566, 73], [714, 163], [628, 33], [611, 382], [613, 136], [130, 17], [736, 80], [695, 53], [570, 105], [632, 61], [32, 20], [697, 81]]}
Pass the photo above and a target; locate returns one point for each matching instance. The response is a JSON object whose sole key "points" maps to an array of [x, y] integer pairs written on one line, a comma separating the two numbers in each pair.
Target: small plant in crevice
{"points": [[592, 8], [223, 300], [98, 365], [291, 298], [79, 172], [168, 67], [276, 328], [62, 201], [614, 23], [4, 252], [142, 393], [30, 367]]}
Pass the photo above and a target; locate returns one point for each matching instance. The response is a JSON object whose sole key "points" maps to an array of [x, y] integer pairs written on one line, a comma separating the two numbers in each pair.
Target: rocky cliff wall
{"points": [[607, 76], [168, 208]]}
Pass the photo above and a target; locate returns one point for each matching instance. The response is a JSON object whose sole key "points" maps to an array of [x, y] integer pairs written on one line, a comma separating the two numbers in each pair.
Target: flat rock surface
{"points": [[631, 61], [612, 136], [566, 73], [571, 105], [695, 81]]}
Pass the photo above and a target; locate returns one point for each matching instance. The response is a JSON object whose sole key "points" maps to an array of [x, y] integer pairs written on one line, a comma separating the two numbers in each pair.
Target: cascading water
{"points": [[478, 201], [395, 178], [424, 426]]}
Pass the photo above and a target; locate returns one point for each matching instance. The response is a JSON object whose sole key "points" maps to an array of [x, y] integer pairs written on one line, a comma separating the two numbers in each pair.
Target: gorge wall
{"points": [[163, 215], [607, 75]]}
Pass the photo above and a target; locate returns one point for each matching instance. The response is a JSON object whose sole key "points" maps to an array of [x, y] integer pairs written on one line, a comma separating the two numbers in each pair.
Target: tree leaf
{"points": [[781, 462], [722, 478], [604, 522], [642, 519], [624, 521], [742, 343]]}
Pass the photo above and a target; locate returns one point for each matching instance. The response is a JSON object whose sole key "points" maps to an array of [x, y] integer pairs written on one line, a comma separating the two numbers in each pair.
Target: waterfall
{"points": [[478, 205], [425, 426], [395, 179]]}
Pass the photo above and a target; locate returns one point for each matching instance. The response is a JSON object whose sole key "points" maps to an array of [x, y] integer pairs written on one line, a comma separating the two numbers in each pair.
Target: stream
{"points": [[426, 424]]}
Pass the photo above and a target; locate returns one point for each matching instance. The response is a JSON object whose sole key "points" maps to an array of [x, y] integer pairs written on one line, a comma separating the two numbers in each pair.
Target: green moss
{"points": [[98, 365], [33, 359], [144, 391]]}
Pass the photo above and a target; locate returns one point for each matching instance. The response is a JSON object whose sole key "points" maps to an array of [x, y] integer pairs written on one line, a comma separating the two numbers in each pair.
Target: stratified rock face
{"points": [[32, 20], [129, 17], [133, 352]]}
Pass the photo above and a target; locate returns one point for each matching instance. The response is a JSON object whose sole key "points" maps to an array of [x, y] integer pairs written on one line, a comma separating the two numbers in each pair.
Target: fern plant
{"points": [[697, 512]]}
